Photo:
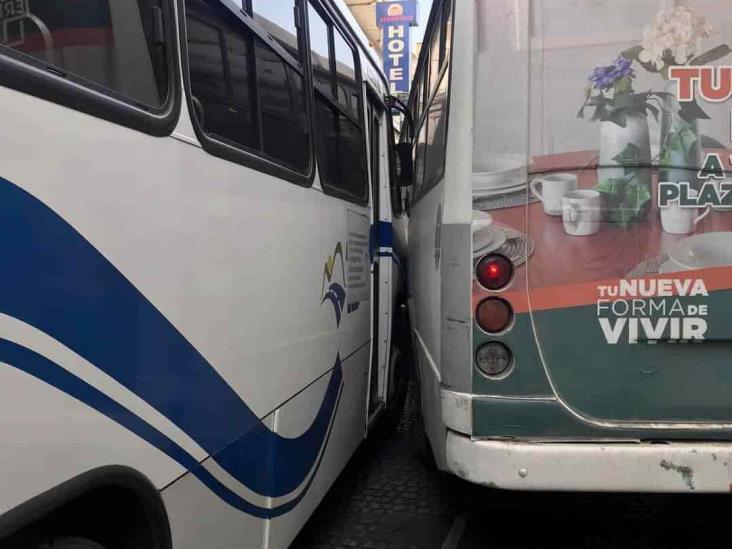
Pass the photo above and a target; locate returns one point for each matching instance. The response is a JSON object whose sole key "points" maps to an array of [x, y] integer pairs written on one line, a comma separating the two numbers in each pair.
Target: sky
{"points": [[424, 15]]}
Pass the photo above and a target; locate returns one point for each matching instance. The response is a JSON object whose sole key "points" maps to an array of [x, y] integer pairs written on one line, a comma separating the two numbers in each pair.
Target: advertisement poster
{"points": [[616, 204]]}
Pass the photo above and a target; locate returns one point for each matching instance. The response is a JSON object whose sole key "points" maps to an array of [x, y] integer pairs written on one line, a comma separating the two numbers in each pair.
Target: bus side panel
{"points": [[49, 437], [199, 518], [347, 431], [425, 285], [228, 262]]}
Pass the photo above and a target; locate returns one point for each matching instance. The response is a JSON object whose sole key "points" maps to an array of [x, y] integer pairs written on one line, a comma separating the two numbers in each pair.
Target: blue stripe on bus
{"points": [[43, 369], [56, 281], [386, 234], [381, 236]]}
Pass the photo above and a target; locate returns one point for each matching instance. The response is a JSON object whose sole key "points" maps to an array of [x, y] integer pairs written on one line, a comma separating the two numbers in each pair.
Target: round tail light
{"points": [[493, 359], [494, 272], [494, 315]]}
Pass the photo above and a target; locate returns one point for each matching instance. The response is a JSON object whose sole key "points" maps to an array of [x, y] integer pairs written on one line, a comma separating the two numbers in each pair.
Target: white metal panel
{"points": [[457, 411], [673, 467], [424, 261], [48, 438], [226, 254], [200, 519], [345, 436]]}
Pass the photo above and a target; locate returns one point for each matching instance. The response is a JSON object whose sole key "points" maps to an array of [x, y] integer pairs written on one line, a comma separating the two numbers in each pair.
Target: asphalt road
{"points": [[386, 498]]}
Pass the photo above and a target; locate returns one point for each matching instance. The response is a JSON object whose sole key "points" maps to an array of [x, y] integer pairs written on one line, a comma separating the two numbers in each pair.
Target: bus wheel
{"points": [[70, 543]]}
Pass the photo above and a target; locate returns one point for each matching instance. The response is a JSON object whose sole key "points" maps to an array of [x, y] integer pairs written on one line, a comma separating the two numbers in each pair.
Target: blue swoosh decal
{"points": [[337, 296], [56, 281], [49, 372]]}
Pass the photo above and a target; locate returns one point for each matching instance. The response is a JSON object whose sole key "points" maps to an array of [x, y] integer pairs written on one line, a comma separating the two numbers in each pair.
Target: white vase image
{"points": [[614, 142], [681, 155]]}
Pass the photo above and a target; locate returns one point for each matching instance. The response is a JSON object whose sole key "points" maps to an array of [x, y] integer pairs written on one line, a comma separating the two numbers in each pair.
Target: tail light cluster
{"points": [[495, 272], [494, 315]]}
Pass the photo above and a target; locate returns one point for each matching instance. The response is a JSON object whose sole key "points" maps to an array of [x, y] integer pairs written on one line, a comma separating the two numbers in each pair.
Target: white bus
{"points": [[199, 281], [570, 243]]}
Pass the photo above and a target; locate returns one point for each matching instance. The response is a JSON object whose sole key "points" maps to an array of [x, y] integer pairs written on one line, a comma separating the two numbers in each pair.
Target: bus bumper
{"points": [[591, 467]]}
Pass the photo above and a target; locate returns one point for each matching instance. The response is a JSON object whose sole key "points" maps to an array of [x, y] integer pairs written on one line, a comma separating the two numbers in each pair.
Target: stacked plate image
{"points": [[486, 237], [701, 251], [507, 173]]}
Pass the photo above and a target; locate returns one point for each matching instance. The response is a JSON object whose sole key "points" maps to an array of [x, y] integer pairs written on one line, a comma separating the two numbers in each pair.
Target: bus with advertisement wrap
{"points": [[200, 304], [570, 243]]}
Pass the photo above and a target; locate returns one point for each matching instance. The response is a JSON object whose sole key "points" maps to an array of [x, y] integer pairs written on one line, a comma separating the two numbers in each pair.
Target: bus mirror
{"points": [[404, 165]]}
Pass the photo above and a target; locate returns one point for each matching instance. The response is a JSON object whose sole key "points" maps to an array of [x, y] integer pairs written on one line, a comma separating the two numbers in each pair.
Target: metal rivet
{"points": [[523, 473]]}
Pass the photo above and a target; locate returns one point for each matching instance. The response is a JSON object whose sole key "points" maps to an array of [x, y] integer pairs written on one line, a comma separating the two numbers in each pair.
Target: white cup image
{"points": [[678, 220], [551, 188], [582, 212]]}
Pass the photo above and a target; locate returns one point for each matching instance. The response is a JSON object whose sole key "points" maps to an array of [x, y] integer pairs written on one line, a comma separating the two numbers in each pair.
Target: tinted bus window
{"points": [[278, 19], [110, 44], [435, 56], [282, 107], [420, 151], [219, 50], [320, 50], [436, 134], [340, 143], [346, 74], [447, 30], [244, 93]]}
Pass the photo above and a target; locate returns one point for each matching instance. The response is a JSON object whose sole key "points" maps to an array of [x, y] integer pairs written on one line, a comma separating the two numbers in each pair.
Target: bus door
{"points": [[381, 250]]}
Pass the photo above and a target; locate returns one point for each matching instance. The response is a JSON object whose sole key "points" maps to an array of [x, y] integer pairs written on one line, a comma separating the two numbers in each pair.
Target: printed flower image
{"points": [[610, 92], [604, 78], [674, 39]]}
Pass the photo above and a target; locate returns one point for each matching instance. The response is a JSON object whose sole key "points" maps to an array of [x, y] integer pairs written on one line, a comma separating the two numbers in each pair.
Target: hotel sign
{"points": [[396, 18]]}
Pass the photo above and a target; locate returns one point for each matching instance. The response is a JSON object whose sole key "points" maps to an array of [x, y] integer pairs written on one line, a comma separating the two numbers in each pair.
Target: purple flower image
{"points": [[604, 78]]}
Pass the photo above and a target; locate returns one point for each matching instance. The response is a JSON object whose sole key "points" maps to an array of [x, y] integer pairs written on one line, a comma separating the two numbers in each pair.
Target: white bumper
{"points": [[601, 467]]}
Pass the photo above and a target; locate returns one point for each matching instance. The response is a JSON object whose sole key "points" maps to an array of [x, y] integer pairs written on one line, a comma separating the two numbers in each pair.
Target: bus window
{"points": [[420, 151], [435, 55], [278, 19], [221, 80], [281, 103], [109, 44], [320, 50], [346, 74], [245, 94], [419, 101], [340, 145], [447, 31], [437, 132]]}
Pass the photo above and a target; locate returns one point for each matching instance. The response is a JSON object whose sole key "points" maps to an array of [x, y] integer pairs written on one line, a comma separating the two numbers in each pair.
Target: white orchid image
{"points": [[675, 38]]}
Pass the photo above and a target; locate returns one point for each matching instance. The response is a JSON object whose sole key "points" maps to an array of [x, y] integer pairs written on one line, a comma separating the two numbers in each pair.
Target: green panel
{"points": [[642, 382], [528, 378], [540, 419]]}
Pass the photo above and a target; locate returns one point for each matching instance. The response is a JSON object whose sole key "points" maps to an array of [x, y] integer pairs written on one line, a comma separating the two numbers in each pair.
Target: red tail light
{"points": [[494, 272], [494, 315]]}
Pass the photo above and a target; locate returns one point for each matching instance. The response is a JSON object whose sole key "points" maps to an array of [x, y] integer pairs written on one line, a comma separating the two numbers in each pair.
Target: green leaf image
{"points": [[691, 111], [711, 143], [712, 55], [629, 157], [612, 187]]}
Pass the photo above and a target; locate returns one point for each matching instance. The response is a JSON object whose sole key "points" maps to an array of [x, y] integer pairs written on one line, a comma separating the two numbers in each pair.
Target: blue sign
{"points": [[397, 57], [397, 18], [397, 13]]}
